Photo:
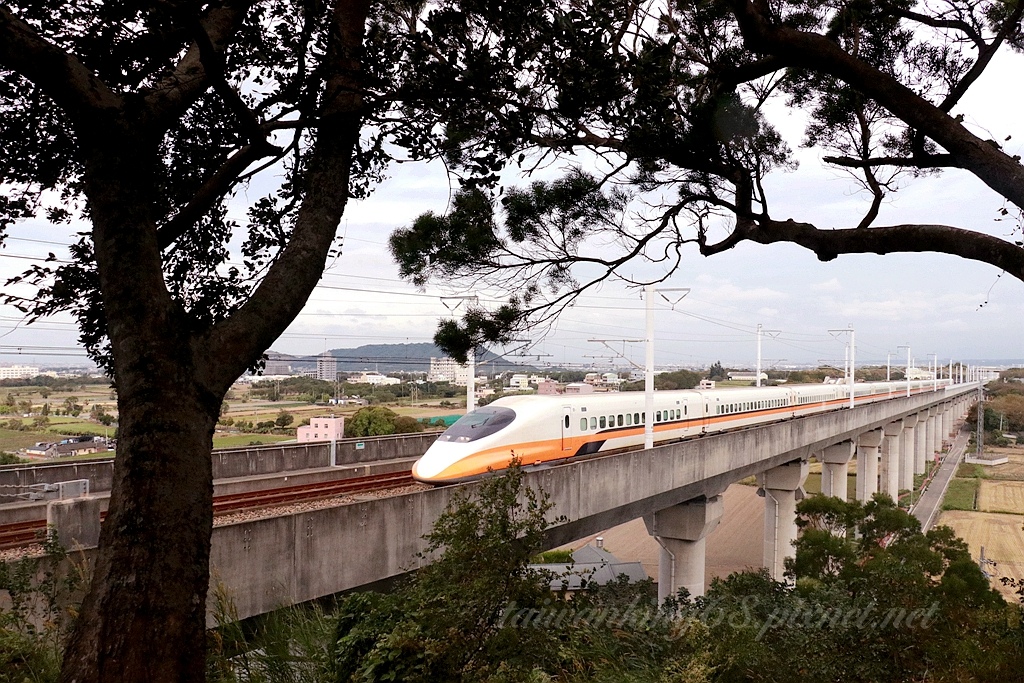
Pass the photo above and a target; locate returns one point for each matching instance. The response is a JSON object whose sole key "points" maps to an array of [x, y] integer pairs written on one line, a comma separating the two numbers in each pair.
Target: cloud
{"points": [[827, 286]]}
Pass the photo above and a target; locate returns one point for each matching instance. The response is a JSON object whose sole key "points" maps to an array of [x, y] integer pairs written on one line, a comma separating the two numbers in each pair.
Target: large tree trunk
{"points": [[144, 616], [143, 619]]}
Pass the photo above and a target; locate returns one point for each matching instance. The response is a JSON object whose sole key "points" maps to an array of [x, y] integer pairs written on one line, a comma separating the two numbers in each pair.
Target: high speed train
{"points": [[540, 430]]}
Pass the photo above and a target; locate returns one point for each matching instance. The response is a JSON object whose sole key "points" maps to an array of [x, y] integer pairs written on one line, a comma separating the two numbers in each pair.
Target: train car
{"points": [[539, 430]]}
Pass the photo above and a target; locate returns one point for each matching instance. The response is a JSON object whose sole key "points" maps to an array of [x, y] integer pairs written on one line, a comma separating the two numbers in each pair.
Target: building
{"points": [[374, 378], [326, 367], [549, 387], [919, 374], [579, 388], [590, 567], [18, 372], [78, 445], [322, 428], [519, 381], [277, 364], [447, 370], [747, 376]]}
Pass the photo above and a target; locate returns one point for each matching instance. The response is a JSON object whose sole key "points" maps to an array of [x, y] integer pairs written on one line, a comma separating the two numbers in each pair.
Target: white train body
{"points": [[548, 429]]}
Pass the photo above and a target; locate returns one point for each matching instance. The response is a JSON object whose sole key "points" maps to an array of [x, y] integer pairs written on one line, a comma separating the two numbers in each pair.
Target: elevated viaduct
{"points": [[271, 562]]}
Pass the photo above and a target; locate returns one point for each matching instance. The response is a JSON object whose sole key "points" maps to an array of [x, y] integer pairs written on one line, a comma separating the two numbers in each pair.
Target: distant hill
{"points": [[386, 358]]}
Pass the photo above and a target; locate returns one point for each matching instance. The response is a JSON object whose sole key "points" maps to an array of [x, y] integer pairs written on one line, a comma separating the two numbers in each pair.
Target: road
{"points": [[927, 509]]}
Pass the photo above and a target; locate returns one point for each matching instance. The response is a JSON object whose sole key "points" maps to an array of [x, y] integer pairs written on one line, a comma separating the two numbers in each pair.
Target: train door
{"points": [[567, 440]]}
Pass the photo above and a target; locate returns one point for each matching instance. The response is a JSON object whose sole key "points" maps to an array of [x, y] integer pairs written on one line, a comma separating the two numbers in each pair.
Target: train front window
{"points": [[479, 423]]}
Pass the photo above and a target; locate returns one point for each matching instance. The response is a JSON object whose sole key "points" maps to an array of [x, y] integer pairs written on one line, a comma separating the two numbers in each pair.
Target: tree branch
{"points": [[926, 161], [174, 94], [815, 52], [64, 79], [292, 277], [210, 192], [910, 238]]}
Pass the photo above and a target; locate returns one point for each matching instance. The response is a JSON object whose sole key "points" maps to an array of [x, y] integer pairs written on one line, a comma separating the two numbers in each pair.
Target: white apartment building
{"points": [[375, 378], [326, 367], [18, 372], [447, 370]]}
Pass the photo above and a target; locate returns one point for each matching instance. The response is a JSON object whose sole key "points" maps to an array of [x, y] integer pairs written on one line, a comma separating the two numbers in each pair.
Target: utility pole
{"points": [[980, 419], [935, 371], [760, 333], [888, 361], [649, 291], [852, 355], [907, 347], [471, 360]]}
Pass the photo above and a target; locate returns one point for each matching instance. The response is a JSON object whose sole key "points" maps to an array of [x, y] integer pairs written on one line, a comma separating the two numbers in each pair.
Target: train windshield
{"points": [[479, 423]]}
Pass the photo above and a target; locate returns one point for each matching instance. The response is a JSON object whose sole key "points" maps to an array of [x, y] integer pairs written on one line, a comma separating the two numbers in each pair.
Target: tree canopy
{"points": [[663, 115]]}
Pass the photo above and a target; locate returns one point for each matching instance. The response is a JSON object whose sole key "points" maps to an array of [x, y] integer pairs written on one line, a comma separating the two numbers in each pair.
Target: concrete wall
{"points": [[237, 462], [268, 563]]}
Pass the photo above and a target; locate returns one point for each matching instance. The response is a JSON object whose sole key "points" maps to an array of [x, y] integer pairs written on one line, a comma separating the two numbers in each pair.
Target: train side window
{"points": [[657, 416], [593, 423], [636, 418], [686, 410], [603, 422], [619, 420], [583, 424], [629, 419], [566, 421]]}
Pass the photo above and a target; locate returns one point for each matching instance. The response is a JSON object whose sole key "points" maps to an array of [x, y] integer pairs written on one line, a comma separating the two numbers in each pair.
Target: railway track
{"points": [[21, 534]]}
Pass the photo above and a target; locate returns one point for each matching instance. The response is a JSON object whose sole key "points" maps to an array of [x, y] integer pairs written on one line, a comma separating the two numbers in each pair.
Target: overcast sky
{"points": [[935, 303]]}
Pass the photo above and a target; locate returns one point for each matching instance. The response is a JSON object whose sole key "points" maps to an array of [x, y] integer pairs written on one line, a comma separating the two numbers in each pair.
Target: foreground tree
{"points": [[144, 120], [135, 115], [674, 133], [887, 604]]}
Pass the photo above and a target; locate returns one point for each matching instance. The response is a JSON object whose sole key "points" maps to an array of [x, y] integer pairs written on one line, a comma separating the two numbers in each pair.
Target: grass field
{"points": [[962, 494], [238, 440]]}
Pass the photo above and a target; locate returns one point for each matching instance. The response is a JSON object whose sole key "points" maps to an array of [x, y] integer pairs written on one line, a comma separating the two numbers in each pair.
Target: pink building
{"points": [[323, 428], [548, 387]]}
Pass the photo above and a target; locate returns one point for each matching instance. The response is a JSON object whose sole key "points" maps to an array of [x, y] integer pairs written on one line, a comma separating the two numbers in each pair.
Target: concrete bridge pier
{"points": [[781, 486], [907, 450], [929, 437], [920, 441], [890, 469], [947, 423], [835, 468], [868, 445], [937, 433], [681, 531]]}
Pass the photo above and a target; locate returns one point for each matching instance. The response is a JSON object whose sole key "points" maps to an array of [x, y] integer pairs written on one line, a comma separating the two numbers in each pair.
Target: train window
{"points": [[602, 422], [479, 423], [685, 410], [629, 419], [583, 424], [636, 418], [593, 423], [657, 416], [566, 421], [619, 420]]}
